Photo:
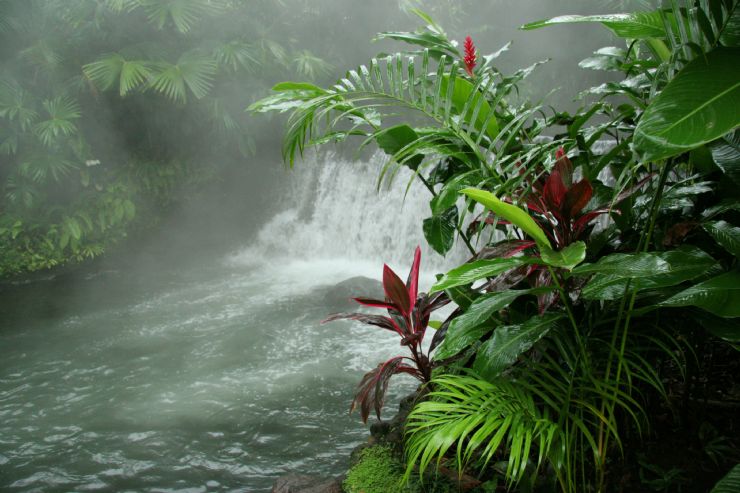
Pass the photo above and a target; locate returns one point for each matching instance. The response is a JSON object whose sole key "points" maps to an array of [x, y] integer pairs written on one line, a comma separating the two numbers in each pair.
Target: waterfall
{"points": [[334, 213]]}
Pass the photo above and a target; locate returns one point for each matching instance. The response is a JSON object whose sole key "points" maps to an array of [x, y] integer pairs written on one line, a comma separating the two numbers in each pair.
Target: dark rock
{"points": [[298, 483], [341, 294], [391, 432]]}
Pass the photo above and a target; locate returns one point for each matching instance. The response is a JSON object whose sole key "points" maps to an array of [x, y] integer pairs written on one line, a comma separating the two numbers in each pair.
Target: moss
{"points": [[380, 470]]}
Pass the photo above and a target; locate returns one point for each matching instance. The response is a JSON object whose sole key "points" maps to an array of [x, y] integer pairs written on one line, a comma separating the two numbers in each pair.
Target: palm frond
{"points": [[62, 111], [479, 419], [190, 72], [183, 14]]}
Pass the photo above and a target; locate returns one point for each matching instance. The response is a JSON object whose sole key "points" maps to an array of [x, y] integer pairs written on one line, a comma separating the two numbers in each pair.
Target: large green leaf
{"points": [[730, 483], [636, 25], [724, 328], [471, 325], [511, 213], [393, 139], [480, 269], [509, 342], [439, 230], [700, 104], [567, 258], [725, 234], [719, 295], [626, 265], [673, 267], [730, 35]]}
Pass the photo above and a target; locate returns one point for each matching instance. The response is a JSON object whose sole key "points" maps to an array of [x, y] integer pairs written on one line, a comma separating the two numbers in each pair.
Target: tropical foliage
{"points": [[111, 110], [408, 316], [602, 257]]}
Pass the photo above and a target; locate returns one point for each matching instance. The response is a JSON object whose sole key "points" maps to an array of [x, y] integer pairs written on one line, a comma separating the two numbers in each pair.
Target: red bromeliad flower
{"points": [[470, 56], [408, 316]]}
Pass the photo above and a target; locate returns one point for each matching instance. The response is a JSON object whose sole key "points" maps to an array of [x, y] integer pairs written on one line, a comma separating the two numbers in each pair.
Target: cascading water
{"points": [[335, 213], [210, 377]]}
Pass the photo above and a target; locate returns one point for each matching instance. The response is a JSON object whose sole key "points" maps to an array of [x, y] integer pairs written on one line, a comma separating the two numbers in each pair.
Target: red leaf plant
{"points": [[408, 316], [470, 57], [556, 203]]}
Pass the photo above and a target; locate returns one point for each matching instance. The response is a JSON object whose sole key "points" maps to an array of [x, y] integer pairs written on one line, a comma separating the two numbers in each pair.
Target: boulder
{"points": [[299, 483], [340, 295]]}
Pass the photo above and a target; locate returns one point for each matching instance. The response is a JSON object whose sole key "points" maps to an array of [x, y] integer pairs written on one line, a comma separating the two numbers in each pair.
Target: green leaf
{"points": [[724, 233], [461, 93], [730, 36], [298, 86], [674, 267], [727, 329], [471, 325], [635, 25], [699, 105], [393, 139], [719, 295], [511, 213], [567, 258], [626, 265], [726, 154], [730, 483], [450, 192], [509, 342], [480, 269], [439, 230]]}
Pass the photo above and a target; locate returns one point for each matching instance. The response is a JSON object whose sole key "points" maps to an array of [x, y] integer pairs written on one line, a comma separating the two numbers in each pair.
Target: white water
{"points": [[210, 377]]}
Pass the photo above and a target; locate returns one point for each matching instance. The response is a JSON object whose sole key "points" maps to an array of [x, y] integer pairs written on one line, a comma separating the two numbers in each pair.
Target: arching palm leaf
{"points": [[114, 68], [191, 72], [183, 13]]}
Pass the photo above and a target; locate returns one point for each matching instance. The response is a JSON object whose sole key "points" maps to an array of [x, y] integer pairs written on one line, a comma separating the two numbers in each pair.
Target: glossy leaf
{"points": [[726, 153], [439, 230], [461, 93], [511, 213], [730, 483], [727, 235], [719, 295], [699, 105], [450, 192], [509, 342], [480, 269], [393, 139], [567, 258], [635, 25], [681, 265], [727, 329], [469, 327], [626, 265]]}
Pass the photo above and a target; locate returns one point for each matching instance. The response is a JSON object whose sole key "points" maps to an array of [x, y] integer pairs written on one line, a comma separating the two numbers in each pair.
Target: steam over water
{"points": [[212, 377]]}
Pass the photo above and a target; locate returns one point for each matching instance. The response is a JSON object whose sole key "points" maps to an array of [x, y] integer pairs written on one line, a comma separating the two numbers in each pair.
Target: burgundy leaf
{"points": [[633, 188], [554, 191], [373, 386], [582, 221], [412, 283], [563, 167], [378, 303], [377, 320], [577, 197], [395, 290], [412, 339]]}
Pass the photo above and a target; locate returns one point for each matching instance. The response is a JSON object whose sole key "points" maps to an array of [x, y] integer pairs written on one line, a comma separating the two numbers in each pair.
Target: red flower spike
{"points": [[471, 56]]}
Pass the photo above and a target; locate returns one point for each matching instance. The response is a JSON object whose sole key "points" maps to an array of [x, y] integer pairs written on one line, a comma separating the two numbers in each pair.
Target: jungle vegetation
{"points": [[596, 320]]}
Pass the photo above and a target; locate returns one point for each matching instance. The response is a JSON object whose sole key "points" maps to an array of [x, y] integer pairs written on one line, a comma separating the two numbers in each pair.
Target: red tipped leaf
{"points": [[412, 283], [395, 290]]}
